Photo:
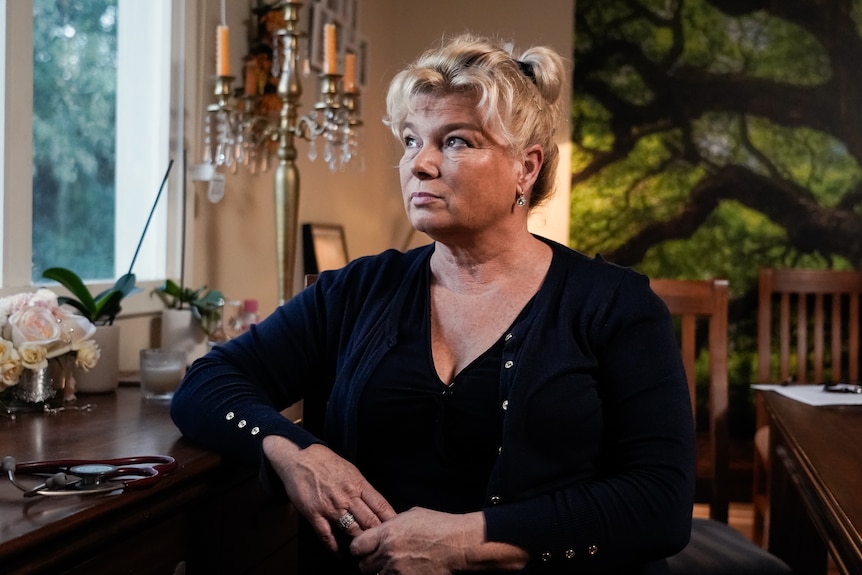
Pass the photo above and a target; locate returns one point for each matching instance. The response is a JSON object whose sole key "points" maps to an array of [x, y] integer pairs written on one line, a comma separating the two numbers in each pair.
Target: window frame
{"points": [[16, 144]]}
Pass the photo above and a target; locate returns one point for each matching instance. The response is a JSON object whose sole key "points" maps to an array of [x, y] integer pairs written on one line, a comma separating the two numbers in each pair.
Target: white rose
{"points": [[34, 325], [10, 372], [7, 349], [5, 311], [75, 328], [88, 355], [44, 298], [33, 356]]}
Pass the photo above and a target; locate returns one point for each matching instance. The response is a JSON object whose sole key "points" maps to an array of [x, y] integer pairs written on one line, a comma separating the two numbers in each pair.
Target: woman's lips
{"points": [[423, 198]]}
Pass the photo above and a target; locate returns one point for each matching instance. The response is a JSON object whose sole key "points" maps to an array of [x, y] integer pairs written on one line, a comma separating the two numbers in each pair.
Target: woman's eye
{"points": [[410, 142], [455, 142]]}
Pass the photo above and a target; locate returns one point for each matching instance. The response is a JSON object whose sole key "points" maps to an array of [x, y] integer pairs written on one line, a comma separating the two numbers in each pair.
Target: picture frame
{"points": [[324, 247], [320, 15], [362, 62], [350, 15]]}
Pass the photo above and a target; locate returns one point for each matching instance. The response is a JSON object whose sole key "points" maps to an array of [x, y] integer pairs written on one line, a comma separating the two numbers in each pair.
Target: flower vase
{"points": [[105, 376], [182, 331], [38, 389]]}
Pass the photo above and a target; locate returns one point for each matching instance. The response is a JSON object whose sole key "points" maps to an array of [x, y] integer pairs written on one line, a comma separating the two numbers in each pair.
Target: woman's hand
{"points": [[432, 542], [325, 487]]}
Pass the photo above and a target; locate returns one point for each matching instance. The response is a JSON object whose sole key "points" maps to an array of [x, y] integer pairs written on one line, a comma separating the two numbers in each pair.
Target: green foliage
{"points": [[714, 138], [74, 112], [100, 309], [205, 304]]}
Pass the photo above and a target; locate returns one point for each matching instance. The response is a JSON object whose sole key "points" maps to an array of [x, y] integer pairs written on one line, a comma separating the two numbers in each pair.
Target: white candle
{"points": [[350, 73], [161, 372], [161, 380], [222, 51], [329, 52]]}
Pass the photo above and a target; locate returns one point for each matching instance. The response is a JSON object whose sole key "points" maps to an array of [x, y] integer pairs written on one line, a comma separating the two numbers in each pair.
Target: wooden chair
{"points": [[819, 311], [699, 305], [700, 308]]}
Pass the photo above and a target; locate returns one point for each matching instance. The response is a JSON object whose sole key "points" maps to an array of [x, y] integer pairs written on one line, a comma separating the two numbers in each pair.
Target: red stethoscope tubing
{"points": [[148, 474]]}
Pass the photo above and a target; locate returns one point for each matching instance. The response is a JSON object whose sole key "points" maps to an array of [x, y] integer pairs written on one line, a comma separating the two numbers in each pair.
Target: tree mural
{"points": [[714, 137]]}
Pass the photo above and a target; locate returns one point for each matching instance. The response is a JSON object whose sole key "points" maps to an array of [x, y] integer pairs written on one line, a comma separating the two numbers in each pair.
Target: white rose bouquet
{"points": [[34, 328]]}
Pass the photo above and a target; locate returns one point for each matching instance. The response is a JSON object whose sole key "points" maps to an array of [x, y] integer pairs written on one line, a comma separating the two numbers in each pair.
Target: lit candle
{"points": [[222, 51], [329, 55], [350, 72]]}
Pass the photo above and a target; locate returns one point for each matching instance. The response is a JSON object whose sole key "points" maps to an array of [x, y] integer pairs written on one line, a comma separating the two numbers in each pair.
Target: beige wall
{"points": [[233, 242]]}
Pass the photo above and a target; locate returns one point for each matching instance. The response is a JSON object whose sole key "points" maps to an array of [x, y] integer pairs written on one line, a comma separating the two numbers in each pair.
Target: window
{"points": [[95, 95]]}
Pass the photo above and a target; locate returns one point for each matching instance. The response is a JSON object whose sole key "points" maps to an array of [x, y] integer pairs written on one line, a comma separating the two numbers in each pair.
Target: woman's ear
{"points": [[532, 164]]}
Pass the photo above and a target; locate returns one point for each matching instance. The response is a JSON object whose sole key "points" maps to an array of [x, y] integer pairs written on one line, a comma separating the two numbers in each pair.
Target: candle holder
{"points": [[245, 130]]}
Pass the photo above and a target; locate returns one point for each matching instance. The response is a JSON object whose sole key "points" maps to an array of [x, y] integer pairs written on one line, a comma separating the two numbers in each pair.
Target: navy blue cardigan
{"points": [[596, 468]]}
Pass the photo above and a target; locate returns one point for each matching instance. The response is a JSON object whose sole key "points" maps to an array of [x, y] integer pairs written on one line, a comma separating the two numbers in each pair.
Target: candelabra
{"points": [[239, 130]]}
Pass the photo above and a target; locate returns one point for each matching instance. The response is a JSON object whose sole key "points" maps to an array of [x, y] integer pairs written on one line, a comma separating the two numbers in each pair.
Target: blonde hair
{"points": [[520, 97]]}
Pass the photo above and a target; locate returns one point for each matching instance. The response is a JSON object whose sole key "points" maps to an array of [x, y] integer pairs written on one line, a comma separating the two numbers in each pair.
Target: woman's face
{"points": [[457, 179]]}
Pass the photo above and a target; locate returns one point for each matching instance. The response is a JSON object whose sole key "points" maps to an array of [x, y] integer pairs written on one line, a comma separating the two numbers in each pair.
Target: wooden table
{"points": [[815, 486], [205, 517]]}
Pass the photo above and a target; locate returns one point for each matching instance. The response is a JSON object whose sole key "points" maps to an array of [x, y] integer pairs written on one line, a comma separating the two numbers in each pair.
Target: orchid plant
{"points": [[205, 304], [100, 309]]}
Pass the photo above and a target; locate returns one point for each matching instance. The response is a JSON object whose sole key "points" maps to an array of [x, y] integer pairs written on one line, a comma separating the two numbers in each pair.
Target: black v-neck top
{"points": [[423, 442]]}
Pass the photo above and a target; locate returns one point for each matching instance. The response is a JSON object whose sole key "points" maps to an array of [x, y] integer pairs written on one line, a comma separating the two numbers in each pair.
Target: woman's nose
{"points": [[426, 162]]}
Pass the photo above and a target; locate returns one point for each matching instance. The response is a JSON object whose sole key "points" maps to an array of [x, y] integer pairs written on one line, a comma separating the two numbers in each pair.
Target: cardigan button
{"points": [[592, 549], [569, 553], [242, 423], [509, 364], [230, 415], [505, 404], [508, 336], [495, 500], [546, 556]]}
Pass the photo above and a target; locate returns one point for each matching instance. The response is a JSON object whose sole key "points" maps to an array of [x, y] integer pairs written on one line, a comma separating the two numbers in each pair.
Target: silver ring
{"points": [[346, 520]]}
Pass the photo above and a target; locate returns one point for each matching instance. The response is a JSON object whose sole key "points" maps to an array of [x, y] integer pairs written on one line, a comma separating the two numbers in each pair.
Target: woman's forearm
{"points": [[482, 555]]}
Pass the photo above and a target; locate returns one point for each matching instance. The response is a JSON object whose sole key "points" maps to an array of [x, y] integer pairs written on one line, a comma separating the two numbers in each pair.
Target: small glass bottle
{"points": [[214, 314], [249, 313]]}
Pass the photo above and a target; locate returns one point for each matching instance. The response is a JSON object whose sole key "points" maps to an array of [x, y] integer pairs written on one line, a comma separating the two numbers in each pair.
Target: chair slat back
{"points": [[817, 325], [696, 302]]}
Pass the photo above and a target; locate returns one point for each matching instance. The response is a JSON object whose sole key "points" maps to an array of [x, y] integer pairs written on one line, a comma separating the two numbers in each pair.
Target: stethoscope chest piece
{"points": [[92, 474]]}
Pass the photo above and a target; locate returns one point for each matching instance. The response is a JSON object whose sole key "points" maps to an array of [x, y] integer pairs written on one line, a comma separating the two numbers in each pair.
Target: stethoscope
{"points": [[83, 477]]}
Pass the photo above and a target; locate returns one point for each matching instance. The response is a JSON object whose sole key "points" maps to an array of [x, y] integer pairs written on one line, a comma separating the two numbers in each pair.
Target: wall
{"points": [[231, 244]]}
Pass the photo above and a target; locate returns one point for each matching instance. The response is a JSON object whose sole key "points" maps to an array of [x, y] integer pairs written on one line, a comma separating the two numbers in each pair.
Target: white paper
{"points": [[813, 394]]}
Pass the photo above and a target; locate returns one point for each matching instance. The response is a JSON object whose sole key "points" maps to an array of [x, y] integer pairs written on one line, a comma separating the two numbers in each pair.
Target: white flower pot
{"points": [[181, 330], [105, 376]]}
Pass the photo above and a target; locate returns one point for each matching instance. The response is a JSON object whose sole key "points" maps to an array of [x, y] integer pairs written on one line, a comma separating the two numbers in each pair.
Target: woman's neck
{"points": [[479, 267]]}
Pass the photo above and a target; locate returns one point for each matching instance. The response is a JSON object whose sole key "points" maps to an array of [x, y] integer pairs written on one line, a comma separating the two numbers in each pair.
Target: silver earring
{"points": [[521, 201]]}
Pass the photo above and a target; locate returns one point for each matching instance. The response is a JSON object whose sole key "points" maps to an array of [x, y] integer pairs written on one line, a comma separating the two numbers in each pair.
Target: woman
{"points": [[493, 401]]}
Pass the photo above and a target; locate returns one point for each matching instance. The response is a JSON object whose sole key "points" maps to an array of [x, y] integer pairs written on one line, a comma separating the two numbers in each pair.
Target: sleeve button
{"points": [[592, 549], [570, 553], [229, 415], [546, 557], [255, 430], [242, 423]]}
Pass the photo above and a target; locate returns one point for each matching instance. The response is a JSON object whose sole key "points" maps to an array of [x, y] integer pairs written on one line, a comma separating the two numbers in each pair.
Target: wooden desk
{"points": [[815, 485], [205, 516]]}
